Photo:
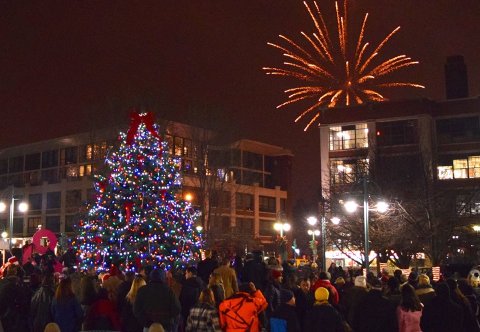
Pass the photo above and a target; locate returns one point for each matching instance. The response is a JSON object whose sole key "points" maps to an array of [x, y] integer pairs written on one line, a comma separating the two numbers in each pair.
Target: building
{"points": [[55, 178], [403, 144]]}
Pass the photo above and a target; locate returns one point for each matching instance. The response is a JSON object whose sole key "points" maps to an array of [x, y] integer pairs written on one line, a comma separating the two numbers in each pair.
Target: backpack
{"points": [[278, 325]]}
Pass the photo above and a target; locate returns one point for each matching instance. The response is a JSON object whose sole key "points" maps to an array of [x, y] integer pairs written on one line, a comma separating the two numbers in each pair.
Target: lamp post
{"points": [[4, 236], [313, 233], [22, 207], [281, 227], [381, 207], [312, 220]]}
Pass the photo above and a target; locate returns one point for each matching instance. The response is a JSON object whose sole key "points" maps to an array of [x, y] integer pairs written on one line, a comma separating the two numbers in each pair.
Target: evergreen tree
{"points": [[136, 217]]}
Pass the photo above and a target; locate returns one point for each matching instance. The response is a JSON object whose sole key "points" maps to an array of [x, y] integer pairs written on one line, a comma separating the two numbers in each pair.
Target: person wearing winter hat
{"points": [[272, 291], [323, 316], [324, 281], [424, 291], [285, 314], [321, 295]]}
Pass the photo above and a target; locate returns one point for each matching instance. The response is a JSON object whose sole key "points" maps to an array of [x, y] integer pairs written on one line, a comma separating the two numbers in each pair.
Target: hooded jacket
{"points": [[189, 294]]}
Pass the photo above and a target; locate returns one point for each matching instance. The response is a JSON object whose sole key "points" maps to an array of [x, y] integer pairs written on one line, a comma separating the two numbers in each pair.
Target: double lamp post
{"points": [[22, 207]]}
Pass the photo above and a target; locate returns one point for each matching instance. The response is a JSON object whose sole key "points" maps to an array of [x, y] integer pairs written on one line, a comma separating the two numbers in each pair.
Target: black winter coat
{"points": [[40, 308], [324, 318], [189, 294], [441, 315], [156, 303], [375, 313], [288, 313]]}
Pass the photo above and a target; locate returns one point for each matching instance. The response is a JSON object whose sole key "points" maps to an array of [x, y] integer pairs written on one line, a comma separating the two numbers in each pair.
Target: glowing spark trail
{"points": [[332, 74]]}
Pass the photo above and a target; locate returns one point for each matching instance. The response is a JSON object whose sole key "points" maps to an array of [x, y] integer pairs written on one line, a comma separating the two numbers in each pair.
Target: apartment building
{"points": [[55, 178]]}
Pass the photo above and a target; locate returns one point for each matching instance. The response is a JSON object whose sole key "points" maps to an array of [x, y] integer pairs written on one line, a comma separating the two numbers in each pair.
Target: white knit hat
{"points": [[361, 281]]}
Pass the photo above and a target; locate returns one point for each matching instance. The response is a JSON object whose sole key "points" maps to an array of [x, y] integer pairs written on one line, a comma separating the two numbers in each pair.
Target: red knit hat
{"points": [[105, 277], [276, 274], [13, 260]]}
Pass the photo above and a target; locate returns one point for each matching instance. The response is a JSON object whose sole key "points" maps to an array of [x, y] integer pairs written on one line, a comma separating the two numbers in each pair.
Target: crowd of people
{"points": [[241, 294]]}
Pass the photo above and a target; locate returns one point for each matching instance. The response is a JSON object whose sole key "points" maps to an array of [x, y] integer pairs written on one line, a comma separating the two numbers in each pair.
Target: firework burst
{"points": [[336, 74]]}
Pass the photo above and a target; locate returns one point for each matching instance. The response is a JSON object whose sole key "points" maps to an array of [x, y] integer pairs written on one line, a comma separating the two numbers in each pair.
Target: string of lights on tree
{"points": [[137, 218]]}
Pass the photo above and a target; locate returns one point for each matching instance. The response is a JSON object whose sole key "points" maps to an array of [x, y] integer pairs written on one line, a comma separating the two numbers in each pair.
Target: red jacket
{"points": [[104, 310], [240, 312], [333, 297]]}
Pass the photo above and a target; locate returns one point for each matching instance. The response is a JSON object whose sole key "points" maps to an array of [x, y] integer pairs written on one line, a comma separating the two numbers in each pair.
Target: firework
{"points": [[334, 73]]}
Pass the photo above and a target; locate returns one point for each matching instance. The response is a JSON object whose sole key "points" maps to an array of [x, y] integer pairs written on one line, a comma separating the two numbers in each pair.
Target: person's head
{"points": [[376, 284], [129, 276], [340, 281], [305, 285], [324, 275], [286, 296], [52, 327], [215, 278], [360, 281], [393, 284], [244, 287], [137, 282], [226, 261], [277, 275], [156, 327], [413, 278], [64, 290], [190, 272], [157, 275], [442, 290], [452, 284], [423, 280], [465, 287], [47, 279], [206, 296], [410, 300], [398, 274], [321, 295]]}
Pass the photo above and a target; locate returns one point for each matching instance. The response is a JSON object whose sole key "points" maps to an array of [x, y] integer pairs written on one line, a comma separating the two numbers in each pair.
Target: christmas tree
{"points": [[136, 217]]}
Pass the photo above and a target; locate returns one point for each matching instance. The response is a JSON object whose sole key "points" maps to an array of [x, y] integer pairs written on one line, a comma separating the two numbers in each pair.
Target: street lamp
{"points": [[381, 207], [313, 233], [281, 227], [22, 207], [313, 221]]}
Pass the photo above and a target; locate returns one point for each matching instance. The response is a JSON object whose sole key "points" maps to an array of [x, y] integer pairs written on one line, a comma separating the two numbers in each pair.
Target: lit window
{"points": [[445, 172], [349, 137], [72, 171], [89, 152], [178, 146], [347, 171], [85, 170], [460, 167], [221, 173], [474, 167]]}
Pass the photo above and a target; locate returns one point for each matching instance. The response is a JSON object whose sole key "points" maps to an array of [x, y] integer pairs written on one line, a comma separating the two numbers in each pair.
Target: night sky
{"points": [[69, 66]]}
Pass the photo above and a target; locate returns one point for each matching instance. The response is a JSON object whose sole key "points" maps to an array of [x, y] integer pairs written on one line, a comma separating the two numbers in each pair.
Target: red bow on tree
{"points": [[128, 210], [135, 120]]}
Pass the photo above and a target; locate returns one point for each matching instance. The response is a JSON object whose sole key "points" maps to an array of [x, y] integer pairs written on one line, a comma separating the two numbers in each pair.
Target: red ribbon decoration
{"points": [[135, 120], [128, 210]]}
